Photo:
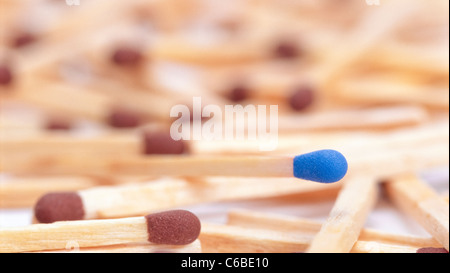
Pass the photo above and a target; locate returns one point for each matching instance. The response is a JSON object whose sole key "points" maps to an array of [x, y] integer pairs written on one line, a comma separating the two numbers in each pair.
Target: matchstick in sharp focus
{"points": [[175, 227], [419, 201], [325, 166], [194, 247], [165, 193]]}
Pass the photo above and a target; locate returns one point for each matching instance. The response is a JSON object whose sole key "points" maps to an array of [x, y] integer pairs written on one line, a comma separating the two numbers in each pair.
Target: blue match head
{"points": [[325, 166]]}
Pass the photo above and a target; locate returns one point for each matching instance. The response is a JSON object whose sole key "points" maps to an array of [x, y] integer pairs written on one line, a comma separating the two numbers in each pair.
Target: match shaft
{"points": [[153, 165], [290, 224], [85, 233], [175, 227], [420, 201], [343, 226]]}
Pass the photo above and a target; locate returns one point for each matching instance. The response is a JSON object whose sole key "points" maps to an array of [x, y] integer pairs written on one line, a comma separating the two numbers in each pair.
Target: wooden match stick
{"points": [[323, 166], [371, 118], [376, 91], [176, 227], [284, 223], [194, 247], [427, 60], [228, 239], [25, 192], [165, 193], [362, 39], [343, 226], [422, 203]]}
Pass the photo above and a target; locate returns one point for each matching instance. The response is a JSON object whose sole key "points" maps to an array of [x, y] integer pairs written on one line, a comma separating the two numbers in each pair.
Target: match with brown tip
{"points": [[174, 227], [59, 206]]}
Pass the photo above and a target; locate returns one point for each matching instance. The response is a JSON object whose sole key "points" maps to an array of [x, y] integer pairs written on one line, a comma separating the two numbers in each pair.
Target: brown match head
{"points": [[431, 250], [59, 206], [58, 124], [174, 227], [238, 93], [22, 39], [301, 98], [126, 56], [6, 76], [123, 118], [158, 142], [286, 49]]}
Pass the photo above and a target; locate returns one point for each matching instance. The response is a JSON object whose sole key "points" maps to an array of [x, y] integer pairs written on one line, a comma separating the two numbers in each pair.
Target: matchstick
{"points": [[218, 238], [346, 219], [194, 247], [325, 166], [422, 203], [228, 239], [166, 193], [361, 40], [79, 102], [284, 223], [369, 118], [424, 61], [373, 91], [26, 191], [176, 227]]}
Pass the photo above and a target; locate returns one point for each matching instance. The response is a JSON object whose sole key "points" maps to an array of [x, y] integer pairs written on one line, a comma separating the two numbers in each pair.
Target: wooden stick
{"points": [[420, 202], [228, 239], [375, 91], [372, 118], [362, 39], [283, 223], [322, 166], [24, 192], [428, 60], [166, 193], [59, 145], [346, 219], [194, 247], [385, 160], [233, 239], [159, 228]]}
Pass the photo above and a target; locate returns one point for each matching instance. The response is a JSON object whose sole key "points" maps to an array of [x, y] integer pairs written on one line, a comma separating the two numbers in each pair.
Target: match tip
{"points": [[126, 56], [59, 206], [431, 250], [239, 92], [174, 227], [287, 49], [160, 142], [6, 76], [301, 98], [325, 166], [120, 117]]}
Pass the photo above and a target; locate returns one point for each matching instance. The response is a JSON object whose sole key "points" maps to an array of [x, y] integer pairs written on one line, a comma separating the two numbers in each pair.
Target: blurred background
{"points": [[369, 78]]}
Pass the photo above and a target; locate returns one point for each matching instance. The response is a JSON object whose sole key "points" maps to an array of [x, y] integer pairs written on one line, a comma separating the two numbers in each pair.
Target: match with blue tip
{"points": [[325, 166]]}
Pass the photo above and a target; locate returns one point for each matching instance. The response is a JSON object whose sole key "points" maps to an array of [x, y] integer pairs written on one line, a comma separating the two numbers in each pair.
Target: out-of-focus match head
{"points": [[160, 142], [59, 206], [174, 227], [325, 166]]}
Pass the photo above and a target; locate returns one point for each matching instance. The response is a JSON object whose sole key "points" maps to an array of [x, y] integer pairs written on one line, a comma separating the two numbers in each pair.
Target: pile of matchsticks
{"points": [[86, 94]]}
